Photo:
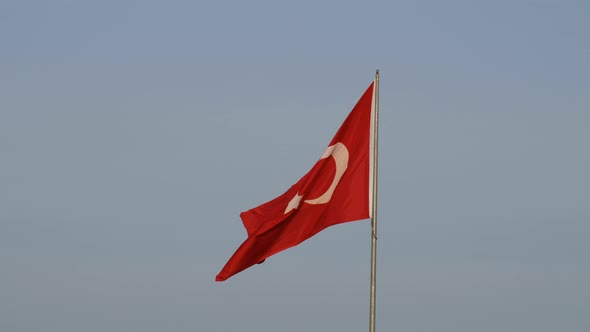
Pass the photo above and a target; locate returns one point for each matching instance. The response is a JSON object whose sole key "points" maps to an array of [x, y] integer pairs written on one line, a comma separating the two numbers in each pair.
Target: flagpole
{"points": [[374, 207]]}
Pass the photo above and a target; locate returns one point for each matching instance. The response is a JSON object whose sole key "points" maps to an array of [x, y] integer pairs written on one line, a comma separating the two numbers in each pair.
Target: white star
{"points": [[294, 203]]}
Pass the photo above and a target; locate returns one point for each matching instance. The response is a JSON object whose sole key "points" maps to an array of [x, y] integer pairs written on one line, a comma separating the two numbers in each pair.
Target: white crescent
{"points": [[340, 154]]}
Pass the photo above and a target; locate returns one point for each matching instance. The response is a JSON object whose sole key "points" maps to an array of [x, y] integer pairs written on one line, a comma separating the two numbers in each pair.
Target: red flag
{"points": [[336, 190]]}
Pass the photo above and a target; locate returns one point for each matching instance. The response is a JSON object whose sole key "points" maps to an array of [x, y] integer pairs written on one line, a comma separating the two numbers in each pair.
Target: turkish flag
{"points": [[336, 190]]}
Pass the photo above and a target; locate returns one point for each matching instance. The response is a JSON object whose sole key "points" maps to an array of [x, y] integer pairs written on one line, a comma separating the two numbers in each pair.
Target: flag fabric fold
{"points": [[336, 190]]}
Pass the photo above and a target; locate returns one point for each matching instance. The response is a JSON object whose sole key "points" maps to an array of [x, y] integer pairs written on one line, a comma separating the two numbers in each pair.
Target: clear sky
{"points": [[132, 133]]}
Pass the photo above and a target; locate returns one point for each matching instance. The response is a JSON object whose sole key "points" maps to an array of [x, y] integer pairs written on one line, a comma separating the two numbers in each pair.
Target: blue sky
{"points": [[132, 133]]}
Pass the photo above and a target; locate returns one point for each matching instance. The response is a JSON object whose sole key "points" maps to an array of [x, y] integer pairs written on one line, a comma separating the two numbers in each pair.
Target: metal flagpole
{"points": [[374, 206]]}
